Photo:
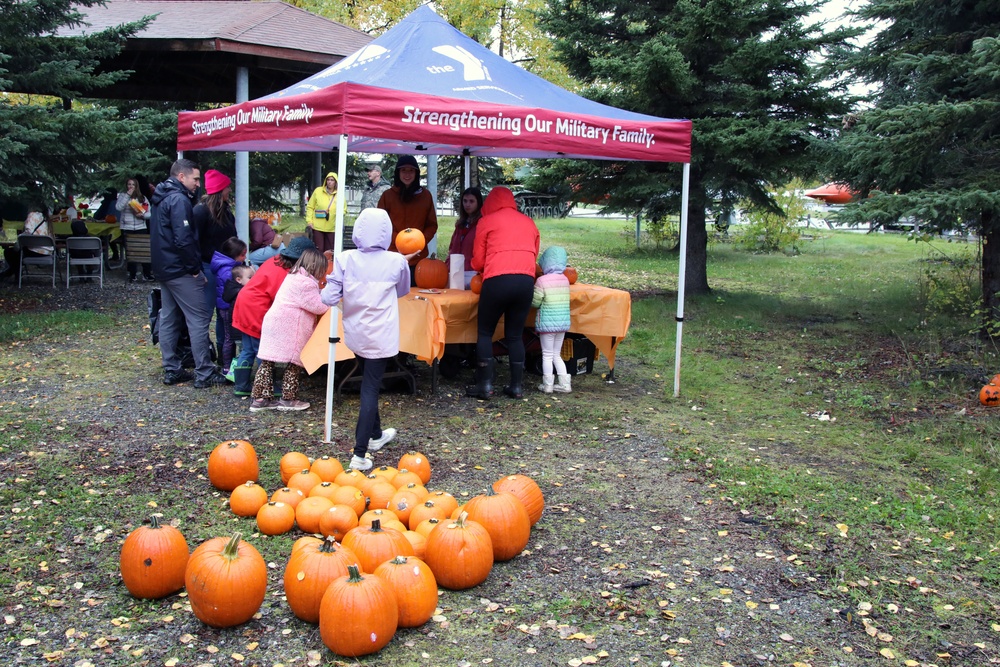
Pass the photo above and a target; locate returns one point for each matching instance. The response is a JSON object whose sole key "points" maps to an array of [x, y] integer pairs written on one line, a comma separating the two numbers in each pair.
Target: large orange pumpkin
{"points": [[410, 241], [459, 553], [476, 284], [226, 580], [506, 520], [418, 463], [527, 491], [337, 521], [431, 274], [232, 463], [358, 614], [153, 559], [413, 584], [308, 573], [374, 546]]}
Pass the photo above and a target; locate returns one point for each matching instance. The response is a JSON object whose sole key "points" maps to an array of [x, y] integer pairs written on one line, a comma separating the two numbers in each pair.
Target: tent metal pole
{"points": [[335, 312], [468, 177], [242, 177], [681, 272]]}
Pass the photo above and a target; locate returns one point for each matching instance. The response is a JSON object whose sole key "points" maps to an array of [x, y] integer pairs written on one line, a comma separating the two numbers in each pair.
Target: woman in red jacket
{"points": [[505, 251]]}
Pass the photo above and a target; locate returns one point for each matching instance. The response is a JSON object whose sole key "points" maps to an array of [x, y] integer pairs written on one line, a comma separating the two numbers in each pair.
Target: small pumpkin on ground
{"points": [[375, 545], [275, 518], [327, 468], [989, 395], [358, 614], [506, 520], [418, 463], [247, 499], [460, 553], [291, 463], [288, 495], [226, 580], [153, 559], [414, 586], [337, 521], [232, 463], [304, 480], [308, 573], [309, 512]]}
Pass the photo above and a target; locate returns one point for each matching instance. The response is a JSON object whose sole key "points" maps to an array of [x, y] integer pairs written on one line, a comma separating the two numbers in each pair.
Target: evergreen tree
{"points": [[929, 148], [44, 142], [742, 70]]}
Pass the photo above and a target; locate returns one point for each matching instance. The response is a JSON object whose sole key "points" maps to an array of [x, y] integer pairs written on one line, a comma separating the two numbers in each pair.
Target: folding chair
{"points": [[36, 243], [89, 252]]}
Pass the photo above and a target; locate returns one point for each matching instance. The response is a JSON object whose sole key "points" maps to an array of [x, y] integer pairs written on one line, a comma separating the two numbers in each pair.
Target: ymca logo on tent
{"points": [[473, 68]]}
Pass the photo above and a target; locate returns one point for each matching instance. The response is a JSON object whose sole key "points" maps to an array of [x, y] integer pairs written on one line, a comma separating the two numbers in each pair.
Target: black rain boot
{"points": [[515, 388], [243, 379], [483, 388]]}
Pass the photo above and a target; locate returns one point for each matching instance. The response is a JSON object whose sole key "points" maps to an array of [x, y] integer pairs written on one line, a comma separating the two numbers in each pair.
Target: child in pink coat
{"points": [[287, 326]]}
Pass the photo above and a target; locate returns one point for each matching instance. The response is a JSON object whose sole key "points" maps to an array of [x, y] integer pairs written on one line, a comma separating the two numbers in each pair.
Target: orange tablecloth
{"points": [[430, 321]]}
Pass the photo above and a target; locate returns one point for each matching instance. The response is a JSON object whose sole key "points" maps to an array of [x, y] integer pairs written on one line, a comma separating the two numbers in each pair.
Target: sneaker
{"points": [[362, 464], [387, 435], [284, 405], [259, 404], [216, 379], [176, 377]]}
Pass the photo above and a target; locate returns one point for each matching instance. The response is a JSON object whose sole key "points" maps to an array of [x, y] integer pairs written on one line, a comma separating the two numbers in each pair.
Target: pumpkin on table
{"points": [[431, 274], [476, 283], [358, 614], [153, 559], [226, 580], [308, 573], [232, 463]]}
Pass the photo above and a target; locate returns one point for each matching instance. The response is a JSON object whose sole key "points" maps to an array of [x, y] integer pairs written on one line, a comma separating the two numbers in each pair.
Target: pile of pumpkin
{"points": [[388, 544], [989, 395]]}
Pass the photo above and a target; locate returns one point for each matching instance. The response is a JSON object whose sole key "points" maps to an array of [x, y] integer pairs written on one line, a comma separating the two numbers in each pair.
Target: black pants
{"points": [[508, 296], [369, 423]]}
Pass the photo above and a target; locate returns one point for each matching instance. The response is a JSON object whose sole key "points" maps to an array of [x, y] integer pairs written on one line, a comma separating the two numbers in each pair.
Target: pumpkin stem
{"points": [[354, 574], [490, 491], [231, 551], [154, 521], [376, 525], [460, 521], [399, 560], [328, 544]]}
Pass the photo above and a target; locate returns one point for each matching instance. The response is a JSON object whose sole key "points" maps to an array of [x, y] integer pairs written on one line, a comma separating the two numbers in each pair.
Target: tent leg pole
{"points": [[335, 313], [685, 192]]}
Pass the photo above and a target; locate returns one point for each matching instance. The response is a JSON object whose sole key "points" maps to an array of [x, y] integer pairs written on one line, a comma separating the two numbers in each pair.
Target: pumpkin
{"points": [[506, 520], [990, 395], [226, 580], [358, 614], [570, 274], [527, 492], [427, 525], [459, 553], [425, 510], [288, 496], [431, 274], [383, 515], [414, 586], [418, 541], [410, 241], [419, 489], [445, 501], [304, 480], [352, 497], [153, 559], [375, 545], [247, 498], [325, 489], [388, 472], [350, 477], [327, 468], [405, 477], [337, 521], [995, 380], [231, 463], [275, 518], [403, 502], [476, 283], [418, 463], [379, 493], [309, 511], [110, 219], [291, 463], [308, 573], [538, 270], [305, 541]]}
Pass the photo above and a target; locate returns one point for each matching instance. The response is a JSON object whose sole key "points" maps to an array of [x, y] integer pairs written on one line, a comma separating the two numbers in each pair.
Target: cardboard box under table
{"points": [[430, 320]]}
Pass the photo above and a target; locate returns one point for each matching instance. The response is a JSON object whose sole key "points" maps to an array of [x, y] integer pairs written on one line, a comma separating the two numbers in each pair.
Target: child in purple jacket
{"points": [[368, 282], [232, 254]]}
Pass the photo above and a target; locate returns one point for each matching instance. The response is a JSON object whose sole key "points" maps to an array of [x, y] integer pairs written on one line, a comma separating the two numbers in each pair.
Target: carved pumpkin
{"points": [[506, 520], [337, 521], [459, 553], [476, 283], [413, 584], [291, 463], [308, 573], [358, 614], [410, 241], [431, 274], [570, 274], [418, 463], [226, 580], [153, 559], [232, 463], [309, 511], [275, 518], [375, 545], [327, 468], [527, 491], [247, 498], [989, 395]]}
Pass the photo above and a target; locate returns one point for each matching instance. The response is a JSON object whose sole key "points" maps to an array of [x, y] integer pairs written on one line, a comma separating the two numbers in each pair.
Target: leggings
{"points": [[507, 296], [263, 382], [551, 353]]}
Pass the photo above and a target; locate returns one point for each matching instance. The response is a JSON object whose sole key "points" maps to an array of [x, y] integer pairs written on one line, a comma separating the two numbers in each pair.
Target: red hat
{"points": [[216, 181]]}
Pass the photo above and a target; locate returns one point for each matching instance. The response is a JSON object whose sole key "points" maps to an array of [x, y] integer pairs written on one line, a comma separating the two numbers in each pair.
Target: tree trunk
{"points": [[990, 230], [696, 270]]}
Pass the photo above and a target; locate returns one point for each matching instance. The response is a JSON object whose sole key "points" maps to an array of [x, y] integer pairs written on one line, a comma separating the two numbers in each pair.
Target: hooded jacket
{"points": [[506, 239], [290, 320], [369, 281], [551, 296], [173, 239], [257, 296], [413, 210], [321, 200], [222, 267]]}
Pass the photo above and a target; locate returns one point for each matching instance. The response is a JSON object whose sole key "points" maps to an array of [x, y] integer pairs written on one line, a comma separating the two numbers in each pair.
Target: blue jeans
{"points": [[261, 255], [369, 424]]}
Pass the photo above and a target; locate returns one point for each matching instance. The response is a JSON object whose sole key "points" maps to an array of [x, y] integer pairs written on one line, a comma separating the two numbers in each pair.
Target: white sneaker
{"points": [[362, 464], [387, 435]]}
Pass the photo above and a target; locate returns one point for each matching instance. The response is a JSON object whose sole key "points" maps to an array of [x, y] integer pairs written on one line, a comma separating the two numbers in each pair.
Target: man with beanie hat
{"points": [[409, 206], [376, 186], [176, 262]]}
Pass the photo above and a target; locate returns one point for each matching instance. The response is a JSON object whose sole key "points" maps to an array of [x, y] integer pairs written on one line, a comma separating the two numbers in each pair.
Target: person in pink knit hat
{"points": [[214, 223]]}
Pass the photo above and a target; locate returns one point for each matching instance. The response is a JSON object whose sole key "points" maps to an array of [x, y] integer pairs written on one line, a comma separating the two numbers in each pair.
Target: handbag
{"points": [[325, 213]]}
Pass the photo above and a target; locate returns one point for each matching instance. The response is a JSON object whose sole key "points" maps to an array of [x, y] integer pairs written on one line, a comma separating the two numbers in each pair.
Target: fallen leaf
{"points": [[887, 653], [842, 527]]}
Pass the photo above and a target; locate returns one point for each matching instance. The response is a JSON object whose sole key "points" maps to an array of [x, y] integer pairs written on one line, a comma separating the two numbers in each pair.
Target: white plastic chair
{"points": [[94, 250]]}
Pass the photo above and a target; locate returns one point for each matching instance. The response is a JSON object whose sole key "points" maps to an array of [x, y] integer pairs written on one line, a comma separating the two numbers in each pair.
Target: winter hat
{"points": [[296, 247], [553, 260], [407, 161], [216, 181]]}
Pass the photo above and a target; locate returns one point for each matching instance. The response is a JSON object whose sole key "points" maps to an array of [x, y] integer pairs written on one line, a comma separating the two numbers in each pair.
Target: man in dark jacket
{"points": [[176, 260]]}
